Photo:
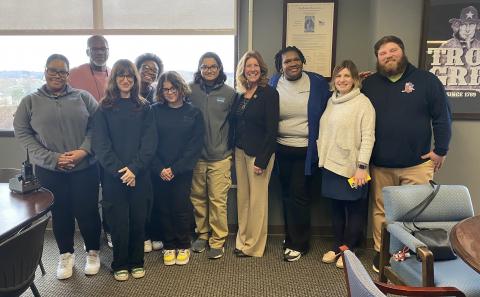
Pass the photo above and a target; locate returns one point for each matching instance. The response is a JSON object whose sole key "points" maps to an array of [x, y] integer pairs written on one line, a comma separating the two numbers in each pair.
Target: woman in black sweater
{"points": [[124, 142], [255, 121], [150, 66], [180, 131]]}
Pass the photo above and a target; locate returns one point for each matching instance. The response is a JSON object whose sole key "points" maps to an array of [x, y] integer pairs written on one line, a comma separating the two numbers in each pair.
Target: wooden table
{"points": [[465, 240], [18, 211]]}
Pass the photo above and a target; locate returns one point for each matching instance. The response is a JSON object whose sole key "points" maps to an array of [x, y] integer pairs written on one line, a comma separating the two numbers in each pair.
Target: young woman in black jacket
{"points": [[124, 142], [180, 131]]}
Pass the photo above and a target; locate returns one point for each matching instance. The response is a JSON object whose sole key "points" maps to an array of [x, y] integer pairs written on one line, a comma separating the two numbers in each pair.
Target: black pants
{"points": [[152, 227], [296, 196], [106, 229], [75, 197], [126, 209], [348, 220], [174, 210]]}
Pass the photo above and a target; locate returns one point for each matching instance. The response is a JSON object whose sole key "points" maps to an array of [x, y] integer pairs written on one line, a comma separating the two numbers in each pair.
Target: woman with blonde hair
{"points": [[255, 121]]}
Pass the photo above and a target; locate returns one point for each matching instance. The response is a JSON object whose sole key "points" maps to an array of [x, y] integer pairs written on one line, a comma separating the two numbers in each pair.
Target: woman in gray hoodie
{"points": [[54, 123]]}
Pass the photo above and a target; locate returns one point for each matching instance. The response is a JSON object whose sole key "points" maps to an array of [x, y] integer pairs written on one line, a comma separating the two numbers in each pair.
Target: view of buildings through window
{"points": [[23, 59]]}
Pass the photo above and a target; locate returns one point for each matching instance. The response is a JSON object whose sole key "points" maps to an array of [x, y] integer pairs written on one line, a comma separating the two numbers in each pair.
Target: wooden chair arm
{"points": [[428, 272], [418, 291]]}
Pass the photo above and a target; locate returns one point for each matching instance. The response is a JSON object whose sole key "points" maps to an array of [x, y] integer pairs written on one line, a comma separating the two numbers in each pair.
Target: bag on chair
{"points": [[436, 239]]}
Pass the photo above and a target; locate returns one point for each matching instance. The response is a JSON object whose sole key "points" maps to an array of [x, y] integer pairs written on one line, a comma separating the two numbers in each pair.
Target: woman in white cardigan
{"points": [[345, 143]]}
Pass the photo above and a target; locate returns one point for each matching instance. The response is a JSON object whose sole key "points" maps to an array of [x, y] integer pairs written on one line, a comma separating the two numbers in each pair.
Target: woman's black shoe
{"points": [[242, 254]]}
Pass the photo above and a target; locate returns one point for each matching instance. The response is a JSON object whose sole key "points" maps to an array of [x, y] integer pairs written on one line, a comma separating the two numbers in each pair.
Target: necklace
{"points": [[250, 92], [99, 94]]}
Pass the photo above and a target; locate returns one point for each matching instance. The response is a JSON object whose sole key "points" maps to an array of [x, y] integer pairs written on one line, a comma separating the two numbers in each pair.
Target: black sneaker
{"points": [[376, 262], [199, 245], [241, 254], [215, 253]]}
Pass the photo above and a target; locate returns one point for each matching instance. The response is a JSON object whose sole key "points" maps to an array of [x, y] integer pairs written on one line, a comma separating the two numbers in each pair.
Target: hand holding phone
{"points": [[351, 181]]}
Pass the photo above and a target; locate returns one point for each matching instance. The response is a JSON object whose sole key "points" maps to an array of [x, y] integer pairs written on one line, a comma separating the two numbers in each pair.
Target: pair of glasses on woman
{"points": [[149, 70], [128, 77], [213, 67], [55, 72], [169, 90]]}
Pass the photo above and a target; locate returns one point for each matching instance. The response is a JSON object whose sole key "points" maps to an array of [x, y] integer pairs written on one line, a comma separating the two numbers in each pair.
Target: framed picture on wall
{"points": [[310, 25], [451, 50]]}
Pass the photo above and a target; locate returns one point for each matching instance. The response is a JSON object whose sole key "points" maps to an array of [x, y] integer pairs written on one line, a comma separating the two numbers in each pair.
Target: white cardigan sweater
{"points": [[347, 133]]}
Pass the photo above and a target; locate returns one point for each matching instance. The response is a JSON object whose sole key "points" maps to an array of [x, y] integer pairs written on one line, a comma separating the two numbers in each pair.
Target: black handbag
{"points": [[436, 239]]}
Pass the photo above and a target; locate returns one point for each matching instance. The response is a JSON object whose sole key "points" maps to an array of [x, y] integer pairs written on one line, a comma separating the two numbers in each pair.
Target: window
{"points": [[179, 32], [22, 68]]}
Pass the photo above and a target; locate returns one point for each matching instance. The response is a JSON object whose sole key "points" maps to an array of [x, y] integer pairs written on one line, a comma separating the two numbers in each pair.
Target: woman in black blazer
{"points": [[255, 121]]}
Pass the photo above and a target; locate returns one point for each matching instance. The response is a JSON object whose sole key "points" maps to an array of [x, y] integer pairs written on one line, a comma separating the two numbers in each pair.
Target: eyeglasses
{"points": [[213, 67], [55, 72], [149, 69], [169, 90], [129, 77]]}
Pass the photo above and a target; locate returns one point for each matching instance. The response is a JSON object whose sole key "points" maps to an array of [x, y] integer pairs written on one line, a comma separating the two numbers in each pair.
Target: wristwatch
{"points": [[362, 166]]}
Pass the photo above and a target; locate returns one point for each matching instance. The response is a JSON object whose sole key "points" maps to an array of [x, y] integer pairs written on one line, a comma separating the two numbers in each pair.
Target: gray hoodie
{"points": [[215, 107], [50, 125]]}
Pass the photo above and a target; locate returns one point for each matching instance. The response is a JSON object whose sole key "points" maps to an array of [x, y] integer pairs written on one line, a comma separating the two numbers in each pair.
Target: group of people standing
{"points": [[162, 150]]}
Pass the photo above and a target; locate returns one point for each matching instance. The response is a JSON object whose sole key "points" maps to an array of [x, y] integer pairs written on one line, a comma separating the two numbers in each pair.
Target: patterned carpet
{"points": [[228, 276]]}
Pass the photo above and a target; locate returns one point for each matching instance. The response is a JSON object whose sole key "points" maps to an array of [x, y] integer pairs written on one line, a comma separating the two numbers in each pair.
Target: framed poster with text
{"points": [[451, 50], [311, 26]]}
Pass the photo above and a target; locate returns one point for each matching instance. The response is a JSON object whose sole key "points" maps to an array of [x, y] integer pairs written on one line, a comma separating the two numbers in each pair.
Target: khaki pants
{"points": [[210, 184], [384, 177], [252, 204]]}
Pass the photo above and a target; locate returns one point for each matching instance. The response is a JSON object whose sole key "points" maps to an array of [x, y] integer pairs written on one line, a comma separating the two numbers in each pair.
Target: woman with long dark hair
{"points": [[124, 141]]}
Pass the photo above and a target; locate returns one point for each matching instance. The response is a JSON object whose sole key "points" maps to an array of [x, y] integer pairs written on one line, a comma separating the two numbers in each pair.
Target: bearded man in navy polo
{"points": [[409, 104]]}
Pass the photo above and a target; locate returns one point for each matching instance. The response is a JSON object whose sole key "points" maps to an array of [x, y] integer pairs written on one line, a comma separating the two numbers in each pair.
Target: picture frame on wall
{"points": [[310, 25], [451, 50]]}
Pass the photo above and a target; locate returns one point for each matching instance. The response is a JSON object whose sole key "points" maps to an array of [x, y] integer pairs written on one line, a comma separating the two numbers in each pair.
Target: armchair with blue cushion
{"points": [[359, 283], [451, 205]]}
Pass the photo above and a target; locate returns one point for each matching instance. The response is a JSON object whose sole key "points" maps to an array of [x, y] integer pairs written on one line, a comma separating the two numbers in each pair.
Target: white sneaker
{"points": [[92, 265], [147, 246], [183, 256], [291, 255], [157, 245], [65, 265], [169, 257], [109, 240]]}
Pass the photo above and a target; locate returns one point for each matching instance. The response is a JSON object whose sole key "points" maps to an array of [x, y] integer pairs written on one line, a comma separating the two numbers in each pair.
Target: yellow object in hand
{"points": [[351, 181]]}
